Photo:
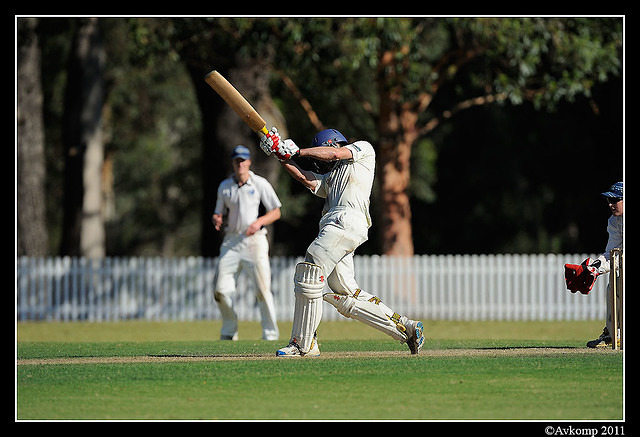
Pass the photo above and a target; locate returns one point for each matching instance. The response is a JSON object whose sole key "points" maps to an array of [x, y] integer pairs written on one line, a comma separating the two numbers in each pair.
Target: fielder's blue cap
{"points": [[615, 190], [240, 151]]}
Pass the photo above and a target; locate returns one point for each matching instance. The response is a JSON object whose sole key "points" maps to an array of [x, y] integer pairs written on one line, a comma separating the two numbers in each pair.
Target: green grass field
{"points": [[513, 371]]}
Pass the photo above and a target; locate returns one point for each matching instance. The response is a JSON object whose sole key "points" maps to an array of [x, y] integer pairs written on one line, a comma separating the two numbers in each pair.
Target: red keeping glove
{"points": [[579, 277]]}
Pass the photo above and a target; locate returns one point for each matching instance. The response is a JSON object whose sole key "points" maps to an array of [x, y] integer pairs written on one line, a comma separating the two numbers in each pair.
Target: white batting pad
{"points": [[308, 279], [309, 282], [306, 318]]}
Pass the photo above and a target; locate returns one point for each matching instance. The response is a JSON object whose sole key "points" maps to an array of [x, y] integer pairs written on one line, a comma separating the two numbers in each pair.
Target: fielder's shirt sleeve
{"points": [[268, 195], [219, 209], [614, 228]]}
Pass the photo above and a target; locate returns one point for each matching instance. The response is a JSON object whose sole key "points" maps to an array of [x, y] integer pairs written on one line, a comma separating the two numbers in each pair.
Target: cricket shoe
{"points": [[293, 349], [603, 341], [415, 335]]}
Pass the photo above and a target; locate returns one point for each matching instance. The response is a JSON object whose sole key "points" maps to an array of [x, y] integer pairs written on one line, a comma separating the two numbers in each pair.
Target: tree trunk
{"points": [[223, 130], [397, 128], [83, 229], [31, 170], [212, 164]]}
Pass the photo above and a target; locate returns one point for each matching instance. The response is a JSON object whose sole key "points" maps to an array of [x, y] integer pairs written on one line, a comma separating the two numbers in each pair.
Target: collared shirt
{"points": [[241, 203], [349, 183], [615, 230]]}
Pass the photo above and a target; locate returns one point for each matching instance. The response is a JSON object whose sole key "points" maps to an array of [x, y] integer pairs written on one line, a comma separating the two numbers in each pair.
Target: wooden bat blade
{"points": [[237, 102]]}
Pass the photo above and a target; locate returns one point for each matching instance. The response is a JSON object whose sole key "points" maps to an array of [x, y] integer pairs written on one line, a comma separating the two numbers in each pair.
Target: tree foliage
{"points": [[444, 101], [394, 80]]}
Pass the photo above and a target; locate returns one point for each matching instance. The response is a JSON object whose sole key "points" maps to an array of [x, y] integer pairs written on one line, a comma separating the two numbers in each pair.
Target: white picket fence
{"points": [[429, 287]]}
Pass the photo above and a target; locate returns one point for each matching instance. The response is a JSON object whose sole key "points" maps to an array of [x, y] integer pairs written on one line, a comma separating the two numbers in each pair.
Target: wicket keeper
{"points": [[581, 277]]}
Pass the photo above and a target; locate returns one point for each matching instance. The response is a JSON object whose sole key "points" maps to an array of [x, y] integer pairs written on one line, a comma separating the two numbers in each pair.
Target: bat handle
{"points": [[264, 130]]}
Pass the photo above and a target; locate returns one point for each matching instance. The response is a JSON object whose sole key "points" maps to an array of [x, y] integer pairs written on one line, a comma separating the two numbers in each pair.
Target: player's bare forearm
{"points": [[270, 217], [304, 177], [326, 153], [264, 220]]}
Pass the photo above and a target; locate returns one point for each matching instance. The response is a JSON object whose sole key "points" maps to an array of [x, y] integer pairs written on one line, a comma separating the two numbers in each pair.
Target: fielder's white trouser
{"points": [[329, 259], [250, 254]]}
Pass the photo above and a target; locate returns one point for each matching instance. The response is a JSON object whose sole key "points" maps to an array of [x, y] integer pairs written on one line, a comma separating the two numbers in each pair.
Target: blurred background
{"points": [[493, 135]]}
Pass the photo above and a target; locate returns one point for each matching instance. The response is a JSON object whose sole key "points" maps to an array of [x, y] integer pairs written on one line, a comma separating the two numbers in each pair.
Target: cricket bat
{"points": [[237, 102]]}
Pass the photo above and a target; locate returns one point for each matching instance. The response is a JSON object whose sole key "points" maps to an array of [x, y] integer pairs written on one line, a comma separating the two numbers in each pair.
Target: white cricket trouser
{"points": [[341, 232], [249, 254]]}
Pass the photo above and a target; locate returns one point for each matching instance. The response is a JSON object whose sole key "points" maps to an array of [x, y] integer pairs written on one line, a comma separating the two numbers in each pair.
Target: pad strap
{"points": [[369, 313]]}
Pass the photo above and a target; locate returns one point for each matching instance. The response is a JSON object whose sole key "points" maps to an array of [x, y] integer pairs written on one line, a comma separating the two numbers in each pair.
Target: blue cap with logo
{"points": [[615, 190], [240, 151]]}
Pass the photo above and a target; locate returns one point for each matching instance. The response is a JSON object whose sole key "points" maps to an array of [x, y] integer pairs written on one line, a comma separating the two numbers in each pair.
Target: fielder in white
{"points": [[342, 174], [245, 246]]}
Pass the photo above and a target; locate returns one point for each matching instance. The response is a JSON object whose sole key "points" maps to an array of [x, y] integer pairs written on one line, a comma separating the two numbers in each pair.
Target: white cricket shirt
{"points": [[241, 203], [349, 183]]}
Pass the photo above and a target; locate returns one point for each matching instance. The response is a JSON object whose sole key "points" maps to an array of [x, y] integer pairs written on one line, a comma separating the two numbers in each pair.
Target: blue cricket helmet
{"points": [[329, 137]]}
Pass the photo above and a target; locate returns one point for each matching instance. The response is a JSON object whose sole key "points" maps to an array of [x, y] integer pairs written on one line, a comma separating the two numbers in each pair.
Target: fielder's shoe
{"points": [[415, 334], [603, 341], [293, 349], [233, 337]]}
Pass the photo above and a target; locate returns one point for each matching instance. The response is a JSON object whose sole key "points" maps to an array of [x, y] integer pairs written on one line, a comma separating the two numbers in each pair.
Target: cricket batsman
{"points": [[342, 173]]}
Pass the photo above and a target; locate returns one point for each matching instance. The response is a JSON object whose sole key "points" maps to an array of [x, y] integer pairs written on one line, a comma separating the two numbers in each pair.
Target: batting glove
{"points": [[269, 143], [287, 150]]}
